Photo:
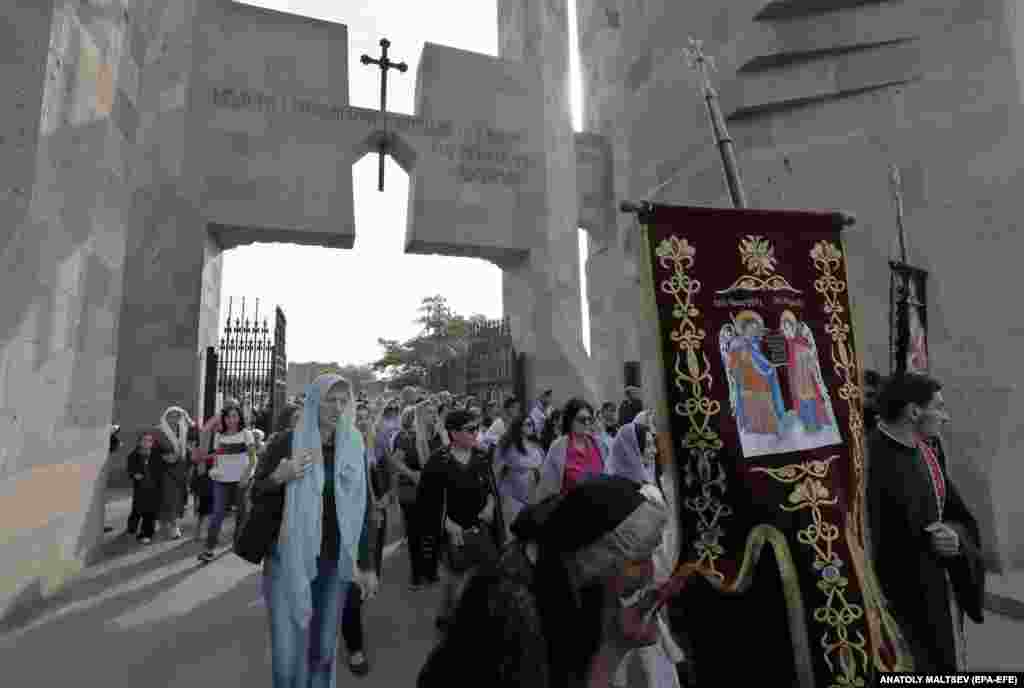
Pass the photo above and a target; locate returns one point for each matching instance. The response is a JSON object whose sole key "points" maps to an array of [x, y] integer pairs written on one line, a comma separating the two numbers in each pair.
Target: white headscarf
{"points": [[178, 437]]}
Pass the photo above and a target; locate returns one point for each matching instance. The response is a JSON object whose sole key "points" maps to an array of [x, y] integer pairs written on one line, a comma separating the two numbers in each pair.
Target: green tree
{"points": [[444, 336]]}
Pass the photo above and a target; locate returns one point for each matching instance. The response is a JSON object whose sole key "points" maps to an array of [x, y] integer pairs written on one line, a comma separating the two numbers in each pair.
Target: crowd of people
{"points": [[543, 524]]}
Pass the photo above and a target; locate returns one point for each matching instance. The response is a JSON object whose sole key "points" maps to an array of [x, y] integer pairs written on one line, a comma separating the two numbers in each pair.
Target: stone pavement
{"points": [[151, 616]]}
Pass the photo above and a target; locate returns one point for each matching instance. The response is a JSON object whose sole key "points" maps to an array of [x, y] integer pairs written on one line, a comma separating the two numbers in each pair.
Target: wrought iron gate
{"points": [[249, 365], [278, 369], [490, 369]]}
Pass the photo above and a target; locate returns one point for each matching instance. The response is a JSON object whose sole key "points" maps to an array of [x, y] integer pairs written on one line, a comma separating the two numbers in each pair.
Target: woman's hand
{"points": [[137, 476], [291, 469], [368, 583], [487, 514], [414, 476], [454, 531]]}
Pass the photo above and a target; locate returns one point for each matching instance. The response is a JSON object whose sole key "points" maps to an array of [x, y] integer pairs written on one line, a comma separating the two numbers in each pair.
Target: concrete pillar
{"points": [[93, 88], [171, 276], [541, 295]]}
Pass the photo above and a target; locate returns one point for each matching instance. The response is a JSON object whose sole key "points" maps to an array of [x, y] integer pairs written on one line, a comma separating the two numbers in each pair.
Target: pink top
{"points": [[581, 463]]}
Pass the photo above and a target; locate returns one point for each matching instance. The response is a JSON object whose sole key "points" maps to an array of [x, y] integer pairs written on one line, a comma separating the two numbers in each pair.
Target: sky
{"points": [[378, 287]]}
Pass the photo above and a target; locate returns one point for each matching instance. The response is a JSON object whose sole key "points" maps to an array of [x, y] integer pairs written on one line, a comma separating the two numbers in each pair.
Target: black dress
{"points": [[901, 502], [498, 605], [448, 488], [173, 488]]}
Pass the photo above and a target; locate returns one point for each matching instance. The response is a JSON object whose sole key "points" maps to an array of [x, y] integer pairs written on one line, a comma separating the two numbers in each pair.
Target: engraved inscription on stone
{"points": [[480, 155]]}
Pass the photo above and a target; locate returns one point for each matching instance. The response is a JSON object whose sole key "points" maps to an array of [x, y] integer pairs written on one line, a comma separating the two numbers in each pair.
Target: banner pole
{"points": [[702, 63]]}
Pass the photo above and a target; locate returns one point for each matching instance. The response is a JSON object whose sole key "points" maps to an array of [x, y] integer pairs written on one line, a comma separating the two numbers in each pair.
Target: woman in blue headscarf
{"points": [[323, 543]]}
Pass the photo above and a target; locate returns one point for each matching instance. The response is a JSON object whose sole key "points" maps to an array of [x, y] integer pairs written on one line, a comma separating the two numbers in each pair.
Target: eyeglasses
{"points": [[470, 428]]}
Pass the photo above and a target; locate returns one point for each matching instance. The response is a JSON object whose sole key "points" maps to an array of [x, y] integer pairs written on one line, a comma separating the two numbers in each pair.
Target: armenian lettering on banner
{"points": [[764, 398]]}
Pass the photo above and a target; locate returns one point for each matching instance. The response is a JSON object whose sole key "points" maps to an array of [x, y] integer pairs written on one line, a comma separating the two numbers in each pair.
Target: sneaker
{"points": [[176, 533], [145, 541], [206, 556], [358, 665]]}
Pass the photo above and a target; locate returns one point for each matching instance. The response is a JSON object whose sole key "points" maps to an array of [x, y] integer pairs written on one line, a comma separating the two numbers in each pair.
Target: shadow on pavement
{"points": [[102, 578], [160, 620], [93, 644]]}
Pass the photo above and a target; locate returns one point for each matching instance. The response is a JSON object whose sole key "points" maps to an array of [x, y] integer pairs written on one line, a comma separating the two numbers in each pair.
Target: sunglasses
{"points": [[470, 428]]}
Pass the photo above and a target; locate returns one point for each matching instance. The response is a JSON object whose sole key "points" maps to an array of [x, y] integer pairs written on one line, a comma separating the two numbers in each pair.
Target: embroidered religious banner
{"points": [[764, 401], [908, 319]]}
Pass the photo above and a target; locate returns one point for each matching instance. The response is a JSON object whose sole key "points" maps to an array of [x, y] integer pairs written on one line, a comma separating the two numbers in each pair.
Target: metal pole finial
{"points": [[700, 61], [896, 184]]}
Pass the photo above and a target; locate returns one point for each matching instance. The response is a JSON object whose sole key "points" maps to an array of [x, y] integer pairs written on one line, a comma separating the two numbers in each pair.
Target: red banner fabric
{"points": [[764, 396]]}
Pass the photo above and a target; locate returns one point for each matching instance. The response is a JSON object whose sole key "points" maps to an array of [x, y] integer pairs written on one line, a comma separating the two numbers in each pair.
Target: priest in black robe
{"points": [[925, 544]]}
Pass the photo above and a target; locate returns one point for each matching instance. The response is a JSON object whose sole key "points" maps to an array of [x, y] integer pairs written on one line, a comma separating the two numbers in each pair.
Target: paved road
{"points": [[153, 617]]}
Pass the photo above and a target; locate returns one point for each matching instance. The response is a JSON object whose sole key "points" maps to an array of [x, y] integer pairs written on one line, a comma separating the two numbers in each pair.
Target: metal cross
{"points": [[700, 62], [385, 64]]}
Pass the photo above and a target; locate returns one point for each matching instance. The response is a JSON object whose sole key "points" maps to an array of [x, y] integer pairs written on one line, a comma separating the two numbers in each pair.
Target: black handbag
{"points": [[256, 525], [477, 548]]}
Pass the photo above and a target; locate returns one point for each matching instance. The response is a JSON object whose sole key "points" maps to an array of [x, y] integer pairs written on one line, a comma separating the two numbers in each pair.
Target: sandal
{"points": [[358, 665]]}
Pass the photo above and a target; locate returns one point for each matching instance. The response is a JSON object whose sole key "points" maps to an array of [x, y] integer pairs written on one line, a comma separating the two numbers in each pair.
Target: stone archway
{"points": [[268, 145], [165, 134]]}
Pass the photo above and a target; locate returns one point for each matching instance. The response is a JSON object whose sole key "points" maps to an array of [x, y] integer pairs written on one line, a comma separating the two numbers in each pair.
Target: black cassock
{"points": [[901, 503]]}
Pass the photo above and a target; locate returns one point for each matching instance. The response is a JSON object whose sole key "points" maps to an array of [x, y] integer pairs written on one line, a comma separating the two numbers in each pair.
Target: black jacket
{"points": [[146, 495], [272, 495]]}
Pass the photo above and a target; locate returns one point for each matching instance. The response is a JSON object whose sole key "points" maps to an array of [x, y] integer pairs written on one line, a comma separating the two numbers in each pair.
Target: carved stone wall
{"points": [[821, 97]]}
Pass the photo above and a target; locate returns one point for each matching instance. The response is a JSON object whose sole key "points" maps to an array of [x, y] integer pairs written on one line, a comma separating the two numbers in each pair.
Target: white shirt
{"points": [[231, 468]]}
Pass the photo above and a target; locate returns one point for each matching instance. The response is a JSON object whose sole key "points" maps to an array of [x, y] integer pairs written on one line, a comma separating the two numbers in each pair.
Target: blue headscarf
{"points": [[299, 544]]}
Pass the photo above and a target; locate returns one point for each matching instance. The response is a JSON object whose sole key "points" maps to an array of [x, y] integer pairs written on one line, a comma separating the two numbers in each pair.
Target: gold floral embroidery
{"points": [[846, 656], [827, 259], [758, 256], [692, 372]]}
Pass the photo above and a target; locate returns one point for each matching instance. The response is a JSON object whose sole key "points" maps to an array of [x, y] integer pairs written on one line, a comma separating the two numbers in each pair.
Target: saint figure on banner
{"points": [[807, 389], [754, 389], [766, 423]]}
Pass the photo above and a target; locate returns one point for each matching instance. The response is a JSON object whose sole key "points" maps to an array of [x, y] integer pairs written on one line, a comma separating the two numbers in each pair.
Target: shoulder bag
{"points": [[258, 522]]}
